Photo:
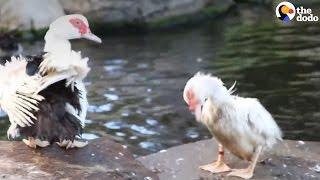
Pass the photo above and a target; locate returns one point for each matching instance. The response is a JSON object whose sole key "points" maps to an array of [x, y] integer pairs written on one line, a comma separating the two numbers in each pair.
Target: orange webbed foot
{"points": [[216, 167], [242, 173]]}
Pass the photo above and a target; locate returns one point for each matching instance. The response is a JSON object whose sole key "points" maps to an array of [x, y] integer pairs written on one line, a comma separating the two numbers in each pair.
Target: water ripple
{"points": [[142, 130], [114, 125], [152, 122], [89, 136], [111, 97], [101, 108]]}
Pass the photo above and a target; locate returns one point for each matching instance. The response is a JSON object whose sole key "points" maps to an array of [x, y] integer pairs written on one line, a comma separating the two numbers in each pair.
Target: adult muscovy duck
{"points": [[44, 96], [242, 125]]}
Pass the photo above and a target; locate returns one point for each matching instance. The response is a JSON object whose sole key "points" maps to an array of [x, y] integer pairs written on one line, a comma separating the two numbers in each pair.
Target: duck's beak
{"points": [[92, 37]]}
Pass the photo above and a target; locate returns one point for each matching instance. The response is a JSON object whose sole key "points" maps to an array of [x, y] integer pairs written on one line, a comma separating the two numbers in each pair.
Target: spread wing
{"points": [[17, 97], [22, 80]]}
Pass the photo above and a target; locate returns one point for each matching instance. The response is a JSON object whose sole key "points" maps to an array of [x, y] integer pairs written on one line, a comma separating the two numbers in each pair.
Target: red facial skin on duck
{"points": [[79, 24], [194, 105]]}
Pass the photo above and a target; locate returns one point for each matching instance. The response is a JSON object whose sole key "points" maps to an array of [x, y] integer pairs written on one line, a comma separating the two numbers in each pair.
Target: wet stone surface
{"points": [[101, 159], [292, 160]]}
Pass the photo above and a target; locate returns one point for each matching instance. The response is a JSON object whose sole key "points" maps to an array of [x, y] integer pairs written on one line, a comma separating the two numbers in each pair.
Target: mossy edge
{"points": [[136, 27]]}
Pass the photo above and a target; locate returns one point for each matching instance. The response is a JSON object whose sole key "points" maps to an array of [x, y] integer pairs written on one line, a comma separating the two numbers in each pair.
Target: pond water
{"points": [[136, 81]]}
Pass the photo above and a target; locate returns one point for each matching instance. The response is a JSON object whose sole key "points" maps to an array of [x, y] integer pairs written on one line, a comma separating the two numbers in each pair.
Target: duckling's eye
{"points": [[77, 22]]}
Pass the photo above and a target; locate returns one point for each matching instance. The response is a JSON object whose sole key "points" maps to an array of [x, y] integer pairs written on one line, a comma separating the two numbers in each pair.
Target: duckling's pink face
{"points": [[192, 100], [194, 104]]}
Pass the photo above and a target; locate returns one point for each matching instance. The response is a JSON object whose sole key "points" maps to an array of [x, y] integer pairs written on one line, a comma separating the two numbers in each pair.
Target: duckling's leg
{"points": [[72, 144], [248, 172], [33, 143], [218, 166]]}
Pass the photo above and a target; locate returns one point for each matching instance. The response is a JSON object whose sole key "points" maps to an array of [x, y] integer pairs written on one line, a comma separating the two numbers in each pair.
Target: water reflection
{"points": [[89, 136], [135, 86]]}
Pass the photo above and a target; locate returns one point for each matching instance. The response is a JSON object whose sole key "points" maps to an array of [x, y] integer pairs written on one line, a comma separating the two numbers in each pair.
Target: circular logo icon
{"points": [[285, 11]]}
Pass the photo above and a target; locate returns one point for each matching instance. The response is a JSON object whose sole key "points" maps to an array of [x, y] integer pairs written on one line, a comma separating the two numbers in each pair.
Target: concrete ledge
{"points": [[290, 160], [101, 159]]}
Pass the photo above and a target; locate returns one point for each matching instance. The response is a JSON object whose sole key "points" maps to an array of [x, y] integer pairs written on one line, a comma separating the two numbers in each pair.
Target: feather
{"points": [[56, 67], [232, 89], [51, 79], [21, 94], [16, 90]]}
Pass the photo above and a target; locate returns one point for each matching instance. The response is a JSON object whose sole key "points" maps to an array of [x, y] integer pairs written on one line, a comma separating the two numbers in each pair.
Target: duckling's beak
{"points": [[90, 36], [198, 112]]}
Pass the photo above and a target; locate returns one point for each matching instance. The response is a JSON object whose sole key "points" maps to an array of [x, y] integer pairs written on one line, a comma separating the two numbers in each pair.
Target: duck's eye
{"points": [[77, 22]]}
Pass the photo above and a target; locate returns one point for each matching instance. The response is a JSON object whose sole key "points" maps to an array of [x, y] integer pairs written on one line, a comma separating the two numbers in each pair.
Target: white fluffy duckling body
{"points": [[241, 125]]}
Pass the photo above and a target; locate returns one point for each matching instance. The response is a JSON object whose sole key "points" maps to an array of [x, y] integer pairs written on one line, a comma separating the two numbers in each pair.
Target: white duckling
{"points": [[241, 125]]}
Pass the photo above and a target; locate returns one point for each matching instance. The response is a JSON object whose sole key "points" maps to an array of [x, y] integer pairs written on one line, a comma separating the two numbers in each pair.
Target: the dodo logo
{"points": [[285, 11]]}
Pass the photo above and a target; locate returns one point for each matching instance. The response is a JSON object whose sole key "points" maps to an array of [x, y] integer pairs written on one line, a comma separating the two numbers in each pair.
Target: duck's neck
{"points": [[55, 44]]}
